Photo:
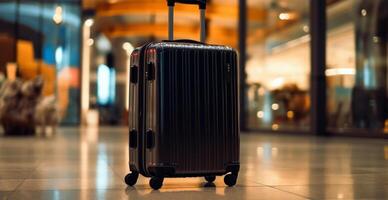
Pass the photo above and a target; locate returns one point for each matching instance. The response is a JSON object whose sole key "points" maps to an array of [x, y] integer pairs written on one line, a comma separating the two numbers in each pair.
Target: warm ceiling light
{"points": [[90, 41], [306, 28], [260, 114], [287, 15], [127, 45], [275, 106], [364, 12], [128, 48], [89, 22], [376, 39], [290, 114], [340, 71], [57, 18], [284, 16]]}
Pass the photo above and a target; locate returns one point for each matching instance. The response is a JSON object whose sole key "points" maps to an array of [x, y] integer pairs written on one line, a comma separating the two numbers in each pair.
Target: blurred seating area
{"points": [[27, 94]]}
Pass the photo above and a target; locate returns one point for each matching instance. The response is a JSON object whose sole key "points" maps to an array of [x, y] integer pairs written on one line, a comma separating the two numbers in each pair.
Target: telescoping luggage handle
{"points": [[202, 7]]}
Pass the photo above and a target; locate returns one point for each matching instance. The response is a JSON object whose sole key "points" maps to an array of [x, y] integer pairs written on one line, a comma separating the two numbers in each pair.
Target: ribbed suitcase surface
{"points": [[184, 115], [191, 107]]}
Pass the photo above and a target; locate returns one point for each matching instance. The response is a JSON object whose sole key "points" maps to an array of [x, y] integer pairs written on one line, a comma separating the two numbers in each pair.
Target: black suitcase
{"points": [[184, 115]]}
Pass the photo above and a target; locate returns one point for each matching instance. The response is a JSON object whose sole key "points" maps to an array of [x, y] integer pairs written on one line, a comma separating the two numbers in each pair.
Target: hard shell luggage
{"points": [[184, 115]]}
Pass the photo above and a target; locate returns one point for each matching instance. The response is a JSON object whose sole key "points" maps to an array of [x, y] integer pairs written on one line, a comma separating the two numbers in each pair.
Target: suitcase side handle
{"points": [[202, 9]]}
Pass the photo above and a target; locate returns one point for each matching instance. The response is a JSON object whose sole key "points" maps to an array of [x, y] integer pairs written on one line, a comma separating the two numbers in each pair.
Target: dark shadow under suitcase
{"points": [[184, 115]]}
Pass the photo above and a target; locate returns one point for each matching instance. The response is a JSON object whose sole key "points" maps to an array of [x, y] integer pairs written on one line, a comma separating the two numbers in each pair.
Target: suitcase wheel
{"points": [[131, 178], [230, 179], [210, 179], [156, 182]]}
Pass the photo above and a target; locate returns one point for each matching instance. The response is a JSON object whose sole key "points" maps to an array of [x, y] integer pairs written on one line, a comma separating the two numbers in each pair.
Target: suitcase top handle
{"points": [[202, 7], [200, 3]]}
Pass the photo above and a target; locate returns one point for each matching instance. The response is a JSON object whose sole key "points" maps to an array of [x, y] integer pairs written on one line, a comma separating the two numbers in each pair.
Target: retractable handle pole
{"points": [[202, 8]]}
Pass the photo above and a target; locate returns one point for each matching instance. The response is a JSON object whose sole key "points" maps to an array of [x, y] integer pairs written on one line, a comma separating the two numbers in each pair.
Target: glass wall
{"points": [[42, 37], [278, 66], [356, 71]]}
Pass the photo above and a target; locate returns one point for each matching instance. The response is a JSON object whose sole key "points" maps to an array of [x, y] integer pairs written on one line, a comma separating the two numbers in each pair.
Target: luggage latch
{"points": [[133, 71], [150, 71], [133, 138], [150, 135]]}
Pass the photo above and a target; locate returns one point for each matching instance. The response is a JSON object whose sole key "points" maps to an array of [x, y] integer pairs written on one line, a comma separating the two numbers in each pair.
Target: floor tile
{"points": [[102, 182], [4, 195], [69, 194], [71, 173], [15, 174], [22, 166], [249, 193], [364, 191], [9, 184]]}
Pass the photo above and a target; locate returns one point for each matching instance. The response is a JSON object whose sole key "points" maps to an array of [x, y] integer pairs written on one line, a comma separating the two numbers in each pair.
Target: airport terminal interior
{"points": [[313, 97]]}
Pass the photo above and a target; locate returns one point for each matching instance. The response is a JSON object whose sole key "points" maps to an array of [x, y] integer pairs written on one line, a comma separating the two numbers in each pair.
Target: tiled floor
{"points": [[91, 163]]}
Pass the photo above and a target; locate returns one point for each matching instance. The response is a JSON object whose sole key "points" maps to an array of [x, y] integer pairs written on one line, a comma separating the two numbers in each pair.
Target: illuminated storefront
{"points": [[357, 67], [279, 77], [278, 68]]}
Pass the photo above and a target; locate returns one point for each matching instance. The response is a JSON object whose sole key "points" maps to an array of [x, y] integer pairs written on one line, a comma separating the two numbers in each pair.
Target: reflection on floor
{"points": [[91, 163]]}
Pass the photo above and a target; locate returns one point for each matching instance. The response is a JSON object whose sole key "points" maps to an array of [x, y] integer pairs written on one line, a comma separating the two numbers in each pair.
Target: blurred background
{"points": [[80, 51]]}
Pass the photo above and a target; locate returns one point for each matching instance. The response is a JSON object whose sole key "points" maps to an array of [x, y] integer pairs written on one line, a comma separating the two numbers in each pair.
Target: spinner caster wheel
{"points": [[210, 179], [156, 182], [131, 178], [230, 179]]}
